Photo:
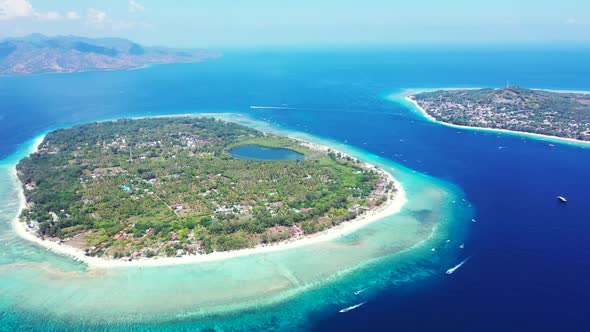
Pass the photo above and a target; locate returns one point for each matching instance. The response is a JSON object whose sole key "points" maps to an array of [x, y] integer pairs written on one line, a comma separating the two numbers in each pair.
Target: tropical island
{"points": [[559, 114], [36, 54], [180, 186]]}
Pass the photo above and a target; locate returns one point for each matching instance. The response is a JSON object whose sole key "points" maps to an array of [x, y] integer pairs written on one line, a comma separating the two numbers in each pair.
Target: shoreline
{"points": [[393, 205], [555, 139], [214, 56]]}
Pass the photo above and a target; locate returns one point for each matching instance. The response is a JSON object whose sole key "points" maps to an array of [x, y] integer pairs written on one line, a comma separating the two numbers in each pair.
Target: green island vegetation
{"points": [[565, 115], [168, 187]]}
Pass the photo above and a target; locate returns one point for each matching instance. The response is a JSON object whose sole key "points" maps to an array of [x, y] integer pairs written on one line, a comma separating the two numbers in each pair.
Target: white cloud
{"points": [[72, 15], [577, 23], [571, 21], [97, 17], [134, 7], [49, 16], [10, 9], [15, 9], [94, 18]]}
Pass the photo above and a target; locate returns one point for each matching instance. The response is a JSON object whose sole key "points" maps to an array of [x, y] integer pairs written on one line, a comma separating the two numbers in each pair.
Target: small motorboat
{"points": [[454, 268], [562, 199], [352, 307], [358, 292]]}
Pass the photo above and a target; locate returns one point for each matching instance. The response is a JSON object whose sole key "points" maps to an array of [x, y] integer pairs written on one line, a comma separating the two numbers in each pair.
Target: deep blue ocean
{"points": [[531, 256]]}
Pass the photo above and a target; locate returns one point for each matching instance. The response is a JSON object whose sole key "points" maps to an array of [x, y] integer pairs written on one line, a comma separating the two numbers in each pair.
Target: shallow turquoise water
{"points": [[276, 290], [529, 264]]}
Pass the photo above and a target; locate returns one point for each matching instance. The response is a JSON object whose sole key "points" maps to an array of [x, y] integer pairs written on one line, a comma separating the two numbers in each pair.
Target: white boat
{"points": [[358, 292], [462, 246], [473, 220], [456, 267], [352, 307], [562, 199]]}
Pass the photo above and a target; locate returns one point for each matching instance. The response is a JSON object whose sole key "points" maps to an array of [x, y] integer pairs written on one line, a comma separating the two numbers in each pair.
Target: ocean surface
{"points": [[528, 265]]}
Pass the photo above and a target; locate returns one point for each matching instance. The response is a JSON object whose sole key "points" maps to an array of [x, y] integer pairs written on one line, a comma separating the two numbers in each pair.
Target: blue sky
{"points": [[303, 22]]}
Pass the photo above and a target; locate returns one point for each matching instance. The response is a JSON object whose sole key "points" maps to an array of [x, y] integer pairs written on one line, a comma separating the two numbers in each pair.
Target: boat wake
{"points": [[456, 267], [358, 292], [352, 307]]}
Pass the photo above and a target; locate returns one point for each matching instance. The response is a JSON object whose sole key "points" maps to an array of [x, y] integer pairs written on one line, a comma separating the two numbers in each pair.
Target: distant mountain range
{"points": [[37, 53]]}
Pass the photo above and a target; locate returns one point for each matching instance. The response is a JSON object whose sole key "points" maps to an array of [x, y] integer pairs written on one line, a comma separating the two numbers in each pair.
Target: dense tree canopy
{"points": [[513, 108], [168, 186]]}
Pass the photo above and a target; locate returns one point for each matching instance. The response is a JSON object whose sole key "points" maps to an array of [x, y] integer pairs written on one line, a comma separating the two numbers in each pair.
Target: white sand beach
{"points": [[495, 130], [392, 206]]}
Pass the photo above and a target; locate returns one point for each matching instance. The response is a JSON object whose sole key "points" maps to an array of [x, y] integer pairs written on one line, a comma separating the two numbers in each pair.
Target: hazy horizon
{"points": [[226, 23]]}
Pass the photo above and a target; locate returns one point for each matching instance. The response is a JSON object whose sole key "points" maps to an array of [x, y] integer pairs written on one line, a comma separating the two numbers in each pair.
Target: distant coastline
{"points": [[39, 54], [392, 206], [407, 96], [108, 70]]}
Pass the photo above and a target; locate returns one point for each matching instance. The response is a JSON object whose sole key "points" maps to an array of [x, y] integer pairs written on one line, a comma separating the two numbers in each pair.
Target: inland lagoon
{"points": [[293, 282], [526, 250], [259, 152]]}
